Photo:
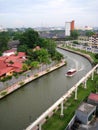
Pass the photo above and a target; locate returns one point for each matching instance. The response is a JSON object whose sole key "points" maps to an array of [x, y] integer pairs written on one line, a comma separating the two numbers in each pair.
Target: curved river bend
{"points": [[26, 104]]}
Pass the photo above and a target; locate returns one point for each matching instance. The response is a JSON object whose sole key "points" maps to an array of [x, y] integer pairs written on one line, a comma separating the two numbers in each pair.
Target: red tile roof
{"points": [[3, 58], [5, 70], [12, 58], [21, 54], [2, 64], [17, 60], [93, 96], [17, 64]]}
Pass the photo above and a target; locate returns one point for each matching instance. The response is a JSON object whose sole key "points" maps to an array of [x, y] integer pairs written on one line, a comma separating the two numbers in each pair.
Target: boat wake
{"points": [[77, 65]]}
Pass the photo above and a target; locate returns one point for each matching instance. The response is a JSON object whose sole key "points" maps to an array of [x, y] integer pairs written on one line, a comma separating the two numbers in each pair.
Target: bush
{"points": [[96, 56], [36, 75], [6, 78], [21, 83], [3, 93]]}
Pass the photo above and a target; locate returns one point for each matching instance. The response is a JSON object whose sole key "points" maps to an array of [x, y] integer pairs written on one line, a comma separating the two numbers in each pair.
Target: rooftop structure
{"points": [[86, 108], [93, 99], [11, 63], [85, 112]]}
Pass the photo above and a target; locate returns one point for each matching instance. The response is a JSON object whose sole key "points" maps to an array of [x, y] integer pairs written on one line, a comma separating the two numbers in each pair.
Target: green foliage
{"points": [[89, 33], [75, 42], [6, 78], [57, 56], [71, 105], [96, 56], [17, 35], [29, 38], [0, 53], [3, 93], [4, 38], [34, 64], [74, 34], [50, 46], [22, 48], [35, 75], [25, 67], [21, 83], [43, 56]]}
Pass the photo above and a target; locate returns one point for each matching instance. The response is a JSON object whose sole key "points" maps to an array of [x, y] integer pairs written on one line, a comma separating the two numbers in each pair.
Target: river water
{"points": [[25, 105]]}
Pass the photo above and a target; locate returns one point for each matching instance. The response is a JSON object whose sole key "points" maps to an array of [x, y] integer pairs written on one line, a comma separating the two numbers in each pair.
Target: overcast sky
{"points": [[36, 13]]}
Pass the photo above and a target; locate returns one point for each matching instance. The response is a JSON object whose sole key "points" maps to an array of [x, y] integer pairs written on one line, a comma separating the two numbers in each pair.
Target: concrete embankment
{"points": [[79, 53], [21, 83]]}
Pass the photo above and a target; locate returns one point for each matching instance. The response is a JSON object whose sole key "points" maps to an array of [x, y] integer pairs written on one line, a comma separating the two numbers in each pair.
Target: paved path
{"points": [[26, 77]]}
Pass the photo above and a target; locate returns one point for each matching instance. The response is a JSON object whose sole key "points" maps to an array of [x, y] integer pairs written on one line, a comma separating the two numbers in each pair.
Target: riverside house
{"points": [[11, 63]]}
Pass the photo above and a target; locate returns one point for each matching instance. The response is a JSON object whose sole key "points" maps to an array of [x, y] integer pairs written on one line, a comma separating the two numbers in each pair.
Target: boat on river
{"points": [[71, 72]]}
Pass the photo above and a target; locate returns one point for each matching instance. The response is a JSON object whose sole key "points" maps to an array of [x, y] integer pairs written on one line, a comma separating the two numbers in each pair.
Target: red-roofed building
{"points": [[12, 63], [93, 99], [4, 69], [9, 52]]}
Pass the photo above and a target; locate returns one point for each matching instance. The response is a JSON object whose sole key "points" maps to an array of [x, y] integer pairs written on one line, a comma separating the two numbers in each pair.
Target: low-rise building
{"points": [[11, 63], [85, 113], [93, 40], [93, 99]]}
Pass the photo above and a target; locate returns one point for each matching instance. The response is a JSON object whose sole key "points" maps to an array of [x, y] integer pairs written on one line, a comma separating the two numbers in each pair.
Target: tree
{"points": [[58, 56], [74, 34], [50, 45], [89, 33], [25, 67], [17, 35], [29, 38], [96, 56], [43, 56], [34, 64], [75, 42], [4, 38], [22, 48]]}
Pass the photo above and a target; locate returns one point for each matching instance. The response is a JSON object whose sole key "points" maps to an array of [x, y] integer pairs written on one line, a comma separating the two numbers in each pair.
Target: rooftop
{"points": [[86, 108], [93, 96]]}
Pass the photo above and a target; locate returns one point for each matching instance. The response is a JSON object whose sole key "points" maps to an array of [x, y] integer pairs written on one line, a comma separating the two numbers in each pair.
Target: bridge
{"points": [[37, 124]]}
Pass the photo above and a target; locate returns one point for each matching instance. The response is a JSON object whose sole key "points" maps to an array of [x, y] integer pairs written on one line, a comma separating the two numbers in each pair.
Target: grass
{"points": [[56, 122]]}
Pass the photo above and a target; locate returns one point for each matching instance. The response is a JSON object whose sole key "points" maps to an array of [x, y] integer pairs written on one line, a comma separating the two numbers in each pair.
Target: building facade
{"points": [[69, 26], [85, 113]]}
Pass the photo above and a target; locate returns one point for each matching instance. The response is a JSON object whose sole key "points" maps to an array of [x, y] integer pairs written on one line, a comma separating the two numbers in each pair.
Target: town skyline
{"points": [[44, 13]]}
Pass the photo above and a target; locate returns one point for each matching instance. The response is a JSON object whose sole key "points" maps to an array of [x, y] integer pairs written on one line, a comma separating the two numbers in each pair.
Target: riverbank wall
{"points": [[79, 53], [21, 83]]}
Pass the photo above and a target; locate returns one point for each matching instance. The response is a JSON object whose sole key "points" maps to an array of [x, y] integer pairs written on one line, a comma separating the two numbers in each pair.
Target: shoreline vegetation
{"points": [[22, 82], [39, 52]]}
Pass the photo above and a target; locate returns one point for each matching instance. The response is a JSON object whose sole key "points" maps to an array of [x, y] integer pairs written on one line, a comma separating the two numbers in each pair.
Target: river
{"points": [[25, 105]]}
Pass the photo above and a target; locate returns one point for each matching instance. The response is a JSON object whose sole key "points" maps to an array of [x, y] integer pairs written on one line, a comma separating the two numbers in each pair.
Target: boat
{"points": [[71, 72]]}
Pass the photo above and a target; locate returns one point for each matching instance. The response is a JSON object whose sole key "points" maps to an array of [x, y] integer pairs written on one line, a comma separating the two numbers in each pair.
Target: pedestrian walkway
{"points": [[27, 77]]}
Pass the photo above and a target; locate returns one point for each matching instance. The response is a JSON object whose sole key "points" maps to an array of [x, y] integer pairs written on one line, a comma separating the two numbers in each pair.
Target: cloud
{"points": [[52, 12]]}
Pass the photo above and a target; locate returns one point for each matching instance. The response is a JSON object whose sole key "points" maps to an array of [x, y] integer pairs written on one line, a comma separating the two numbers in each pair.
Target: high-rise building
{"points": [[69, 26], [72, 25]]}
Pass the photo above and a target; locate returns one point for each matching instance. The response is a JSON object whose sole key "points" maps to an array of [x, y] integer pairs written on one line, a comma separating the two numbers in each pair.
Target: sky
{"points": [[48, 13]]}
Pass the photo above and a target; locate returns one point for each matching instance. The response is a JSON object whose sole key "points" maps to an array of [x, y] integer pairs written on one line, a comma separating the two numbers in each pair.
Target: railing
{"points": [[37, 124]]}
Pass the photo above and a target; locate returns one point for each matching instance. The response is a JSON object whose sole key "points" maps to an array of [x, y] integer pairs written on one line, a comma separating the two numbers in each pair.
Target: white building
{"points": [[9, 52], [67, 29]]}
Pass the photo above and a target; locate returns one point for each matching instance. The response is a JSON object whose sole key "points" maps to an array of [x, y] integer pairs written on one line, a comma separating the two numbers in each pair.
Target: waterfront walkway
{"points": [[28, 77]]}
